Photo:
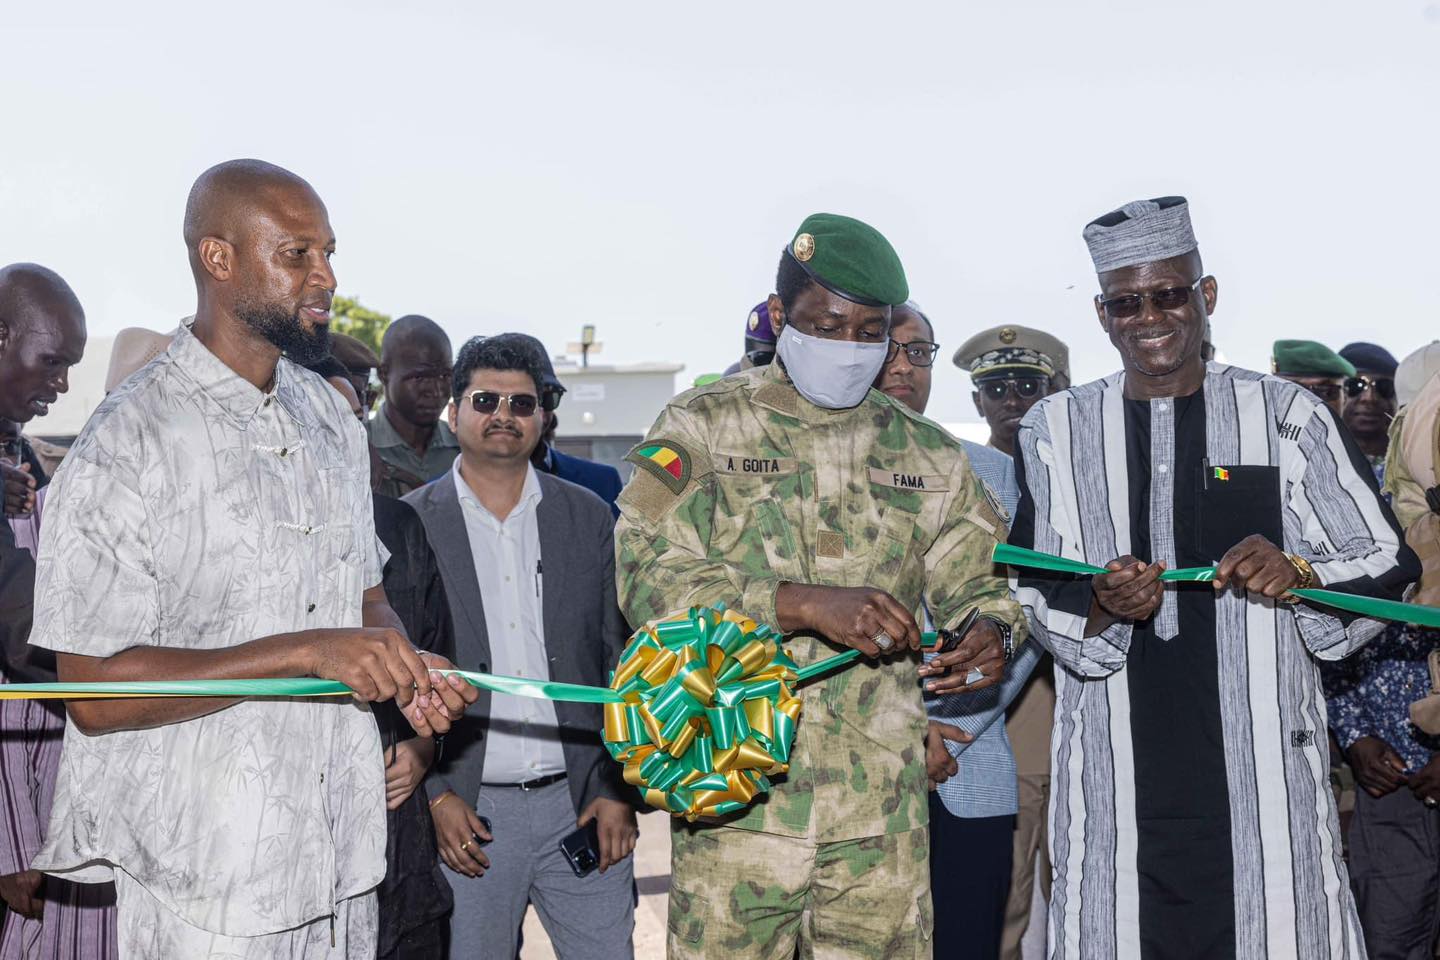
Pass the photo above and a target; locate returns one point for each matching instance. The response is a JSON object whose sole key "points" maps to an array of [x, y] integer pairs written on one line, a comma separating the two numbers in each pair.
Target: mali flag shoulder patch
{"points": [[665, 460]]}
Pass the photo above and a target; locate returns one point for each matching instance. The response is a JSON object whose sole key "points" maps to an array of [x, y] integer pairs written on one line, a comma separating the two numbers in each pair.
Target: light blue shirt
{"points": [[985, 784]]}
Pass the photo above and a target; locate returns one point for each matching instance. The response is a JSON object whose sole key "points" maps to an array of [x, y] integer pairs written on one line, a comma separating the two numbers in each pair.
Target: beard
{"points": [[286, 331]]}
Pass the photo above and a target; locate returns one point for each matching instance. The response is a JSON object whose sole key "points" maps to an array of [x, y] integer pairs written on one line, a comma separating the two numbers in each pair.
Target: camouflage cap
{"points": [[1012, 347], [1308, 358], [850, 259]]}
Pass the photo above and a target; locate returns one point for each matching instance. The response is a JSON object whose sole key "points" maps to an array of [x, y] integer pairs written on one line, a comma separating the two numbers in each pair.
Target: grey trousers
{"points": [[586, 919], [1395, 872]]}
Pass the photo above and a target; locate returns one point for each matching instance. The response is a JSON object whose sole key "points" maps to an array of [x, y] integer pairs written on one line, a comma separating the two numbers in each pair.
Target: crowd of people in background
{"points": [[258, 497]]}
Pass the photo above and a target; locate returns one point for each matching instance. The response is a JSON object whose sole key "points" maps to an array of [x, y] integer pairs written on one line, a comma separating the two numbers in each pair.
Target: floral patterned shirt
{"points": [[195, 511], [1369, 694]]}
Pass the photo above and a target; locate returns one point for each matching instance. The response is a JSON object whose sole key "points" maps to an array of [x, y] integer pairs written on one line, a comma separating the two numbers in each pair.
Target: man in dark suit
{"points": [[600, 479], [527, 562]]}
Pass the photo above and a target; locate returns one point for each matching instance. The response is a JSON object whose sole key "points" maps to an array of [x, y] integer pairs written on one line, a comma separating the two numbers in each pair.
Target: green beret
{"points": [[850, 259], [1308, 358]]}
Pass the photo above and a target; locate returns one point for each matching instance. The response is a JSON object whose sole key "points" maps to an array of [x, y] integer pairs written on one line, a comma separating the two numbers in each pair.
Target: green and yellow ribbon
{"points": [[707, 711], [1425, 616], [700, 711]]}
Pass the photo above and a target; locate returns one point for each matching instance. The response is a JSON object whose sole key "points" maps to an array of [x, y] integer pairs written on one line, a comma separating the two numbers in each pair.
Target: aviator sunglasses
{"points": [[1384, 387], [520, 404], [1026, 388], [1130, 305]]}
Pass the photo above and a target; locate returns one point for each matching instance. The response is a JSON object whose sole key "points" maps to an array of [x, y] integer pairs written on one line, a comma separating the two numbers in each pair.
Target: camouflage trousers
{"points": [[756, 896]]}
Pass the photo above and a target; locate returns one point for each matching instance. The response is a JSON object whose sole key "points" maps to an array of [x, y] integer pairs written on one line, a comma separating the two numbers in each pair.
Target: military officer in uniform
{"points": [[798, 495], [1013, 368]]}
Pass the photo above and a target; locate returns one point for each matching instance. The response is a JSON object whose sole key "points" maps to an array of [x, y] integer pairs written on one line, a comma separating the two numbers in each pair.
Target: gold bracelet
{"points": [[441, 799]]}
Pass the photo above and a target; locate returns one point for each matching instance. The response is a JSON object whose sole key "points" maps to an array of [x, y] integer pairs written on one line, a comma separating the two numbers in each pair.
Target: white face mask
{"points": [[834, 374]]}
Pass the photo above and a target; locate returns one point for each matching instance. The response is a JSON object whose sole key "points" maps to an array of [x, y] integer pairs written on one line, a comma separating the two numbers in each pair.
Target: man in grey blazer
{"points": [[528, 565]]}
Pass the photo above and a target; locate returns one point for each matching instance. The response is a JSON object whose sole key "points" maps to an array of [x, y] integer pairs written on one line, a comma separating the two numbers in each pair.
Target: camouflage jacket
{"points": [[742, 485]]}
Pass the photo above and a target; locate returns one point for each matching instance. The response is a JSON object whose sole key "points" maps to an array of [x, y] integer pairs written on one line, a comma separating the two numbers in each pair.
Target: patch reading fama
{"points": [[922, 482], [665, 460], [753, 465]]}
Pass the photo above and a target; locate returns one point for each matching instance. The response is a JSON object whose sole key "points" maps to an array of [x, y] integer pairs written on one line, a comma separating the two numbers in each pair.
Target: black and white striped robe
{"points": [[1191, 813]]}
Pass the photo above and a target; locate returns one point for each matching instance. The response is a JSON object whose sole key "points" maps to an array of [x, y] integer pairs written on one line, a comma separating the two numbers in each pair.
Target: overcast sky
{"points": [[640, 166]]}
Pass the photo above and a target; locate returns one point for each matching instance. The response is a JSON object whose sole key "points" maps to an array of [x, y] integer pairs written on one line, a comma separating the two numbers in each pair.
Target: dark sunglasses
{"points": [[1328, 392], [1026, 388], [12, 448], [760, 358], [1130, 305], [1384, 387], [920, 353], [488, 402]]}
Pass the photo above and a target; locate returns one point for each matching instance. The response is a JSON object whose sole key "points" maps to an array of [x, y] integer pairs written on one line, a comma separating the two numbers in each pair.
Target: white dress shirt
{"points": [[524, 735]]}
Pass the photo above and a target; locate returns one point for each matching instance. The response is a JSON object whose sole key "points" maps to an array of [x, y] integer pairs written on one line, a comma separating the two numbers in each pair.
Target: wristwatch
{"points": [[1007, 636], [1306, 573]]}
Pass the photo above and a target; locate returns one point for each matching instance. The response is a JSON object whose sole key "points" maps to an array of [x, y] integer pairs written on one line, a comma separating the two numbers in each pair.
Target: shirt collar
{"points": [[530, 495], [238, 397], [383, 434]]}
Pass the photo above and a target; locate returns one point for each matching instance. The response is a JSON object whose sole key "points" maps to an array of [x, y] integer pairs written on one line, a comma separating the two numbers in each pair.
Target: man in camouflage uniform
{"points": [[797, 495]]}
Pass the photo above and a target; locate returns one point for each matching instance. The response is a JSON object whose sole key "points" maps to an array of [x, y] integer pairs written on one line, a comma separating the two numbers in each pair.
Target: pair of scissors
{"points": [[950, 639]]}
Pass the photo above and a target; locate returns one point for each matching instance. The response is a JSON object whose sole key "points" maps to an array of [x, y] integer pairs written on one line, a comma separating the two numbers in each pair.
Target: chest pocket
{"points": [[894, 556], [1235, 502]]}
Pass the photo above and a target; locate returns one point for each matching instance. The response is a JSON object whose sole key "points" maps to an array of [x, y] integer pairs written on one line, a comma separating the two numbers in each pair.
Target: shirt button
{"points": [[512, 626], [267, 401], [310, 608], [1160, 406], [1163, 468], [283, 451]]}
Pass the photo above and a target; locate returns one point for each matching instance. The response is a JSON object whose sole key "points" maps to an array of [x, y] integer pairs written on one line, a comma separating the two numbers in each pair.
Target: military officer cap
{"points": [[757, 326], [850, 259], [1370, 356], [1013, 349], [1301, 358]]}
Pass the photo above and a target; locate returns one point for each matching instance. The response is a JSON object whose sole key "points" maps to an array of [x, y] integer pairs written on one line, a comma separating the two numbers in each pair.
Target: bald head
{"points": [[412, 330], [223, 198], [415, 362], [42, 335], [260, 244]]}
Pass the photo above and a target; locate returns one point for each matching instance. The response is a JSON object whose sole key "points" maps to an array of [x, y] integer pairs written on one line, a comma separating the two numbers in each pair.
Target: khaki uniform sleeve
{"points": [[959, 570], [663, 561], [1406, 497]]}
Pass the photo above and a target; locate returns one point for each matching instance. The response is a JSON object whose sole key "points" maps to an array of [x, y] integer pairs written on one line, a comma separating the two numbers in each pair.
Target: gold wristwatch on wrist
{"points": [[1307, 576]]}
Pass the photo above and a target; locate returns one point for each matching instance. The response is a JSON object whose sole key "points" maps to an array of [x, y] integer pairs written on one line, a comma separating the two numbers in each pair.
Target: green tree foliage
{"points": [[349, 315]]}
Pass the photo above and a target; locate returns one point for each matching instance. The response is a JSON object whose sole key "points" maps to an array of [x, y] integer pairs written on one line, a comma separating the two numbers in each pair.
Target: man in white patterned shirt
{"points": [[213, 521]]}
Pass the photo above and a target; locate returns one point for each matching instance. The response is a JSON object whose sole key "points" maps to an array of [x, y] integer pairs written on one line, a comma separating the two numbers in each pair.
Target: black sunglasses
{"points": [[1384, 387], [920, 353], [488, 402], [1130, 305], [1026, 388], [1325, 391], [760, 358]]}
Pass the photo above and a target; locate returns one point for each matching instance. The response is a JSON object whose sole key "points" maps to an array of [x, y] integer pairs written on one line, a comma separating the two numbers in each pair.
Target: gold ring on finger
{"points": [[466, 844]]}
